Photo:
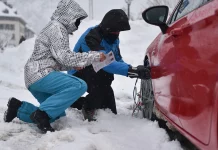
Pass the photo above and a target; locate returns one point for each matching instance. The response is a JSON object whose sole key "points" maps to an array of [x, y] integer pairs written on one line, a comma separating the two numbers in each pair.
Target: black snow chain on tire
{"points": [[144, 97], [137, 104]]}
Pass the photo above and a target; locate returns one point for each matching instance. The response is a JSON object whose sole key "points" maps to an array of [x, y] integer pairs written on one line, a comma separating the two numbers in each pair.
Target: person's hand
{"points": [[140, 72], [102, 57]]}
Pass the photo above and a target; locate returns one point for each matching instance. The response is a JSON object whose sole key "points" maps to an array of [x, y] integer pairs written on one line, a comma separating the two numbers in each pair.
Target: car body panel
{"points": [[198, 71], [164, 54], [187, 96]]}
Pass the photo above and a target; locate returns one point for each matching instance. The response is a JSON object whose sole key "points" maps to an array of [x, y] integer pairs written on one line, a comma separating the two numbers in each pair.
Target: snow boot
{"points": [[89, 114], [13, 106], [42, 120]]}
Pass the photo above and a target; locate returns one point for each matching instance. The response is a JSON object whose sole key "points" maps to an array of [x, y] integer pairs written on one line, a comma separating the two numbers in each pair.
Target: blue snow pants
{"points": [[55, 92]]}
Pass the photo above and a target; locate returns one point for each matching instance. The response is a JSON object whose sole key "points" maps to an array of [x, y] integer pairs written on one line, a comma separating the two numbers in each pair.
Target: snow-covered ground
{"points": [[110, 132]]}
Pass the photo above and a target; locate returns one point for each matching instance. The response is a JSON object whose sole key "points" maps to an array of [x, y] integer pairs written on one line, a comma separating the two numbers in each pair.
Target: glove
{"points": [[140, 72]]}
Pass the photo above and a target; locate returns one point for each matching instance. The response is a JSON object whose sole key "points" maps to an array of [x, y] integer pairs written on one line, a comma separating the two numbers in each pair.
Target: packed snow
{"points": [[109, 132]]}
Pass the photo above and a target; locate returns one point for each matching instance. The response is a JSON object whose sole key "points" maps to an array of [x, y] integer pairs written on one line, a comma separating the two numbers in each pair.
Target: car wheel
{"points": [[147, 98]]}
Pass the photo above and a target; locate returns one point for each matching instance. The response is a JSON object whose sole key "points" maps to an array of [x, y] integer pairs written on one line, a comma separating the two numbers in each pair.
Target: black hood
{"points": [[115, 20]]}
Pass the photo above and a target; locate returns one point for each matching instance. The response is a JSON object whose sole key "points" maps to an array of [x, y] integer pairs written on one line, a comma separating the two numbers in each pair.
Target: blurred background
{"points": [[31, 16], [37, 12]]}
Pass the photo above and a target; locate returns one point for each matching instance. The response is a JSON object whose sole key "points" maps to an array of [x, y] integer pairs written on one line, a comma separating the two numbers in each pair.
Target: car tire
{"points": [[147, 98]]}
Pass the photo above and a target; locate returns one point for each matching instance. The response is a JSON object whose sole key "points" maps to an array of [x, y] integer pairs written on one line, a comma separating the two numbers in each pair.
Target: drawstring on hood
{"points": [[68, 13]]}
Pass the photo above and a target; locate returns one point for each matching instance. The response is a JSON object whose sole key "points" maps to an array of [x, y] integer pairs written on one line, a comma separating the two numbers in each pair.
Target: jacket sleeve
{"points": [[119, 54], [88, 43], [116, 67], [119, 66], [61, 51]]}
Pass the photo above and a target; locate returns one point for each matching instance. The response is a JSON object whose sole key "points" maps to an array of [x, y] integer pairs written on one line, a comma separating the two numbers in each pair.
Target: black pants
{"points": [[100, 93]]}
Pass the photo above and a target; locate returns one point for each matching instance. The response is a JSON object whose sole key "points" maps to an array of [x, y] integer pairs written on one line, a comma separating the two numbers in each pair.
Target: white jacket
{"points": [[52, 51]]}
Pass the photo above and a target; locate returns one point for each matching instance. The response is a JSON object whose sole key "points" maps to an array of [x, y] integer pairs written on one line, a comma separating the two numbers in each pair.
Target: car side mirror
{"points": [[157, 15]]}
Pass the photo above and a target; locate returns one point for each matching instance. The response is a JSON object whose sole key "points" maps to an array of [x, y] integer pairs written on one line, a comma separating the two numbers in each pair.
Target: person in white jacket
{"points": [[54, 90]]}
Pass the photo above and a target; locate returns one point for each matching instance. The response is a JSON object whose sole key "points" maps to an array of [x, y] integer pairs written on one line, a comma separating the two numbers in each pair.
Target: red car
{"points": [[185, 91]]}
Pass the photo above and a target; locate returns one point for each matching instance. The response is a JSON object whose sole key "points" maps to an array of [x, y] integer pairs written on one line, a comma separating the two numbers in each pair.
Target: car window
{"points": [[205, 1], [188, 6], [185, 7], [174, 14]]}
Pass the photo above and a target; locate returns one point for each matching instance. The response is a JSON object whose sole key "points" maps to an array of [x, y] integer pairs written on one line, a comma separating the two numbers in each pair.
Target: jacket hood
{"points": [[115, 20], [67, 12]]}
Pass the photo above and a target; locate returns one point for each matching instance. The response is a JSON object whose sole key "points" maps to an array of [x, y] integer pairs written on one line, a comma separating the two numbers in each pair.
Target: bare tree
{"points": [[91, 10], [128, 2], [130, 14], [5, 37]]}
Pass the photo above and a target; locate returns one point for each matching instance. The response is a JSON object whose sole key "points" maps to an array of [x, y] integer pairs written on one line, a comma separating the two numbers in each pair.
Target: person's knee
{"points": [[81, 87]]}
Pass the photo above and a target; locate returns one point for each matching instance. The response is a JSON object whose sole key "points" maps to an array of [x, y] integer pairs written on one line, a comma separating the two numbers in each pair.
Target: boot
{"points": [[13, 106], [89, 114], [42, 120]]}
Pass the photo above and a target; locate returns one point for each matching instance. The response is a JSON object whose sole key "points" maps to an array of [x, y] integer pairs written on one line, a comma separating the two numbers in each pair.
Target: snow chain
{"points": [[143, 100]]}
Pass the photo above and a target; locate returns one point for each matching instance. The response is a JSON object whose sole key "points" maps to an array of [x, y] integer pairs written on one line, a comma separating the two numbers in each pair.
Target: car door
{"points": [[162, 52], [194, 34]]}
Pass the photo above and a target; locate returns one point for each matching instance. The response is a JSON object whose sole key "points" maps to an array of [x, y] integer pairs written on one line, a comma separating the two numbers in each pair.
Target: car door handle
{"points": [[176, 32]]}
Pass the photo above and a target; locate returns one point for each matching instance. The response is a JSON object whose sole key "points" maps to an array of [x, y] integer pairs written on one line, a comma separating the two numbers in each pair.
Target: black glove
{"points": [[140, 72]]}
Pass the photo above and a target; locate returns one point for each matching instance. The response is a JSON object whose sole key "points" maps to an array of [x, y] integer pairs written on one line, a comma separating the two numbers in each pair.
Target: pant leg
{"points": [[109, 99], [101, 97], [41, 97], [80, 102], [64, 90], [94, 98], [100, 93], [27, 109]]}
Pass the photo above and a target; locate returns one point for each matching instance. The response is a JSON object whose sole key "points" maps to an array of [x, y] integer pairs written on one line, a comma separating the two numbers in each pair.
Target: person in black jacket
{"points": [[104, 37]]}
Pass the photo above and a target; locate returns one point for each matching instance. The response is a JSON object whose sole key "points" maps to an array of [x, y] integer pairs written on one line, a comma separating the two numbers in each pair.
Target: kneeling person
{"points": [[104, 37]]}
